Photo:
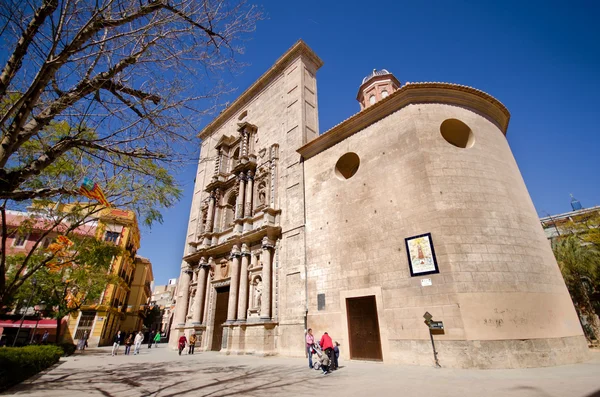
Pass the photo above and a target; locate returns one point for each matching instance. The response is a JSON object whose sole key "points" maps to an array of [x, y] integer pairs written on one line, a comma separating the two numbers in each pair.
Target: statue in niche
{"points": [[262, 194], [212, 272], [224, 268], [193, 302], [257, 299]]}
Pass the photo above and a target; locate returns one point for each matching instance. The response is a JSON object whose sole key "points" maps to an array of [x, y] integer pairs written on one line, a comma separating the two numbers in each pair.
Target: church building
{"points": [[407, 218]]}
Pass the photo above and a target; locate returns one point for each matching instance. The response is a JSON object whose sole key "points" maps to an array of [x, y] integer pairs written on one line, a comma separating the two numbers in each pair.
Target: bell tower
{"points": [[375, 87]]}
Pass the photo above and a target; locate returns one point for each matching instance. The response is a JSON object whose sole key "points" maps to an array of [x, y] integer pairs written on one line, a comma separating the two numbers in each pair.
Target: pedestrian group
{"points": [[326, 351]]}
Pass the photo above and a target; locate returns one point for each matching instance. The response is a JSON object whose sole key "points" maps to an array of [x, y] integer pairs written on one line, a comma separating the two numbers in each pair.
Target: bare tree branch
{"points": [[15, 61]]}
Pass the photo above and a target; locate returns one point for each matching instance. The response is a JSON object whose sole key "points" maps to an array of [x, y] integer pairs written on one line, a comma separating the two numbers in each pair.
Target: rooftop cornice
{"points": [[412, 93], [297, 50]]}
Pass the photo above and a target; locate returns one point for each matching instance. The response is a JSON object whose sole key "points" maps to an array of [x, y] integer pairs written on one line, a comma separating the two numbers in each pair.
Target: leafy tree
{"points": [[153, 316], [111, 90], [587, 228], [76, 275], [580, 267]]}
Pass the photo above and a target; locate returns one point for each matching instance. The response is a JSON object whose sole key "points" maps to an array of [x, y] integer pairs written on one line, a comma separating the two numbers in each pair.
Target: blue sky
{"points": [[541, 59]]}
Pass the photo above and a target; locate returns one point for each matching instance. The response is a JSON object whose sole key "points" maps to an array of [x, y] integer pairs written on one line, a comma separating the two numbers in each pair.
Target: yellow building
{"points": [[103, 320], [139, 295]]}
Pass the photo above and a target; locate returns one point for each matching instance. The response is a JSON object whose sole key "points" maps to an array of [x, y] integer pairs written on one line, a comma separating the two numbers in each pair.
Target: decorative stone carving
{"points": [[257, 298], [192, 303], [211, 264], [262, 194], [274, 155], [224, 268]]}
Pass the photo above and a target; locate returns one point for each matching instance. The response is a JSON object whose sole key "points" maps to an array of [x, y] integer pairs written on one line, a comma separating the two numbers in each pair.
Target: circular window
{"points": [[347, 165], [372, 99], [457, 133], [384, 94]]}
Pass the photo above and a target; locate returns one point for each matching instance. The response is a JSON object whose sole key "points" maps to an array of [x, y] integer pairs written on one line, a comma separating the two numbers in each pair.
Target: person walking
{"points": [[150, 339], [192, 344], [82, 344], [327, 345], [156, 339], [137, 343], [128, 343], [182, 343], [336, 354], [45, 337], [310, 341], [116, 343]]}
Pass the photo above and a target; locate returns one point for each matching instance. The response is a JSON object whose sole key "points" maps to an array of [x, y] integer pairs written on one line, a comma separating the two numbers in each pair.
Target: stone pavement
{"points": [[162, 373]]}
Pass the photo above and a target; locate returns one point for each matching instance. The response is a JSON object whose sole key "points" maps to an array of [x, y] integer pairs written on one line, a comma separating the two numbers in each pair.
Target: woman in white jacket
{"points": [[139, 338]]}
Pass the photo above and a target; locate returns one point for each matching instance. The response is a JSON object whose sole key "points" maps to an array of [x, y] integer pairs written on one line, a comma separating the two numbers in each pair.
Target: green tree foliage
{"points": [[152, 316], [66, 281], [580, 266]]}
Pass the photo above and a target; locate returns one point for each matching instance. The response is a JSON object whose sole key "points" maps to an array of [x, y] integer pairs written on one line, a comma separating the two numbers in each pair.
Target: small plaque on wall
{"points": [[421, 255], [320, 301]]}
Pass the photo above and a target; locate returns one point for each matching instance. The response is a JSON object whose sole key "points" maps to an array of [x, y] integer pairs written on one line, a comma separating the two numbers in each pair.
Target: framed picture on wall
{"points": [[421, 255]]}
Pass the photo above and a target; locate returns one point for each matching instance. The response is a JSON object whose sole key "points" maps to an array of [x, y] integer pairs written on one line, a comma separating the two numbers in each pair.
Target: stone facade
{"points": [[290, 229], [246, 229]]}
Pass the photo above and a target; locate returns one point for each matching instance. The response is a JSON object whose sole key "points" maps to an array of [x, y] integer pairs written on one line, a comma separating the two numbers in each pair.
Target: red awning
{"points": [[44, 323]]}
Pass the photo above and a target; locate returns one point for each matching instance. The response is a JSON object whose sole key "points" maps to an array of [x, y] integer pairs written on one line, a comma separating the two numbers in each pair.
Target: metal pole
{"points": [[437, 364], [33, 282], [35, 329]]}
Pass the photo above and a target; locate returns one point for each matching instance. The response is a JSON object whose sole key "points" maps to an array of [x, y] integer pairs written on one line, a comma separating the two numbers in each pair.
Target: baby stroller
{"points": [[319, 358]]}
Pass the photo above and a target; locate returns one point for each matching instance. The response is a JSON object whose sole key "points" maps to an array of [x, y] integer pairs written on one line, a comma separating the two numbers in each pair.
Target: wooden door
{"points": [[220, 317], [363, 329]]}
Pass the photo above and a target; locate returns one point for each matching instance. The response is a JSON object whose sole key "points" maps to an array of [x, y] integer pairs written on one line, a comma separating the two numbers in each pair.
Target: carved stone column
{"points": [[209, 216], [239, 203], [200, 292], [243, 298], [184, 296], [249, 186], [217, 212], [209, 267], [265, 309], [234, 284], [273, 156]]}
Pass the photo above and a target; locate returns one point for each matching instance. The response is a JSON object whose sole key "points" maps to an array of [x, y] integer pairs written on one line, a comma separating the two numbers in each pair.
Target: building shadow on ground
{"points": [[171, 379]]}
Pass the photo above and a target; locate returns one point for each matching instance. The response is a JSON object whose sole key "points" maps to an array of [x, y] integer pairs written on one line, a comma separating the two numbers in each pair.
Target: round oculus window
{"points": [[457, 133], [347, 165]]}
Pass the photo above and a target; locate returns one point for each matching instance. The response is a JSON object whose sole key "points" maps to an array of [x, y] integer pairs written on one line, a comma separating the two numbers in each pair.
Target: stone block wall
{"points": [[498, 279]]}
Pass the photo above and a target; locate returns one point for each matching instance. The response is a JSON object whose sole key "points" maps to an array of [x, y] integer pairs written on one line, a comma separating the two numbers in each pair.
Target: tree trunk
{"points": [[58, 326]]}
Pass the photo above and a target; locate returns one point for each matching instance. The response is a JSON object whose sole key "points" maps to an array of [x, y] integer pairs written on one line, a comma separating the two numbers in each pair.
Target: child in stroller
{"points": [[321, 361]]}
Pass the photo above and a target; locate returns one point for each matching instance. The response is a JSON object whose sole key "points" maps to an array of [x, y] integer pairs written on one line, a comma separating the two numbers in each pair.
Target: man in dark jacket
{"points": [[116, 342], [151, 339]]}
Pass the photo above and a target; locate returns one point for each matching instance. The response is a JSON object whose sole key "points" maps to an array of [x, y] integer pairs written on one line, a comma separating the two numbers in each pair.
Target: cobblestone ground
{"points": [[162, 373]]}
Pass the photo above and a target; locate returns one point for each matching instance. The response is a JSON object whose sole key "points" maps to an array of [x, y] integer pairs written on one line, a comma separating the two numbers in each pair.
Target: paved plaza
{"points": [[162, 373]]}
